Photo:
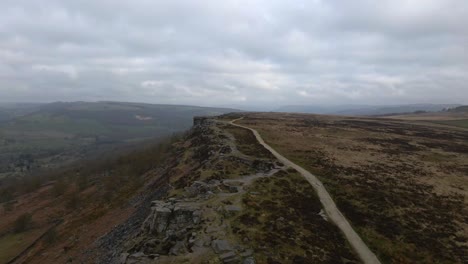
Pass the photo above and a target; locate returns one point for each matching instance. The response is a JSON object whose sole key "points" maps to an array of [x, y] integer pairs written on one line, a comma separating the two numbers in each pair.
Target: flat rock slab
{"points": [[250, 260], [232, 208], [227, 255], [221, 246]]}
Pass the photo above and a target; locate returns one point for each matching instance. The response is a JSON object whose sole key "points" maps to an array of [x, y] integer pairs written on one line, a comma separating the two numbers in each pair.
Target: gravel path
{"points": [[333, 213]]}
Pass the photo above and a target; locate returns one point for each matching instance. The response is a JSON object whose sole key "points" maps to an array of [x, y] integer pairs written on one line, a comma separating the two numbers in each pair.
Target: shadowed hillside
{"points": [[59, 133]]}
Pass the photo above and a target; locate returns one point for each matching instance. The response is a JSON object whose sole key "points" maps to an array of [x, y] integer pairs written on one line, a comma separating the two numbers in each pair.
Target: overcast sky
{"points": [[225, 52]]}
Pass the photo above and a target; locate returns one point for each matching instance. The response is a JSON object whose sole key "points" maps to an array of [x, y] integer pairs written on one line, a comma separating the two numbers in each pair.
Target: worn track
{"points": [[332, 211]]}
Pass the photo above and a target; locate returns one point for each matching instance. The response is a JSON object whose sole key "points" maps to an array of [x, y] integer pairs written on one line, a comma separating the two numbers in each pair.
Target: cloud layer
{"points": [[212, 52]]}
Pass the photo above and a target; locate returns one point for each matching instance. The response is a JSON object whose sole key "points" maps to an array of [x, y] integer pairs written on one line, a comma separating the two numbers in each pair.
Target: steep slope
{"points": [[230, 201], [55, 217]]}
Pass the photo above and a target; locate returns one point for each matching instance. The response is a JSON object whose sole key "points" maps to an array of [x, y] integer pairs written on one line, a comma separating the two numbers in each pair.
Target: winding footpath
{"points": [[333, 213]]}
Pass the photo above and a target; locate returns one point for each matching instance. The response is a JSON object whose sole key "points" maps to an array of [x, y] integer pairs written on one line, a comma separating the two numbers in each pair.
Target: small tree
{"points": [[9, 206], [59, 188], [82, 182], [22, 223], [73, 201], [51, 236]]}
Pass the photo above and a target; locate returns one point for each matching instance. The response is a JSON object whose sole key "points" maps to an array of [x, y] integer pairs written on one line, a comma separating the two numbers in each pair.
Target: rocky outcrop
{"points": [[169, 218], [169, 229], [208, 185], [202, 120]]}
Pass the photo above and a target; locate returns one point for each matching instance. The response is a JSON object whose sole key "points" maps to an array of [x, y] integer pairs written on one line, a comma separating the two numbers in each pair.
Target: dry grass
{"points": [[247, 143], [281, 222], [402, 184]]}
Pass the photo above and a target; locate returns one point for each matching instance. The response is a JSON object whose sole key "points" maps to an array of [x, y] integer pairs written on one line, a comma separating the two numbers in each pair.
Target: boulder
{"points": [[249, 260], [123, 258], [197, 188], [138, 255], [232, 208], [229, 257], [178, 249], [221, 246], [246, 253], [169, 218]]}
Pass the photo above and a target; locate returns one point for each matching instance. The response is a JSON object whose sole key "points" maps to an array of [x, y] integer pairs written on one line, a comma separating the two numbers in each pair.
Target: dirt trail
{"points": [[333, 213]]}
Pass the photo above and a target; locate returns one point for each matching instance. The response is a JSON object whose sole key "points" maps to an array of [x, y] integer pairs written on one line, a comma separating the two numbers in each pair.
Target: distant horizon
{"points": [[252, 108], [156, 103]]}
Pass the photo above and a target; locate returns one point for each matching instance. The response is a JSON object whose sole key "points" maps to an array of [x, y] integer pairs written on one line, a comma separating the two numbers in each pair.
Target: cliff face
{"points": [[202, 121], [225, 199]]}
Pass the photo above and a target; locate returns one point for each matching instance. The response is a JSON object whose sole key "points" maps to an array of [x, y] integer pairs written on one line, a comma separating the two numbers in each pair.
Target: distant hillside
{"points": [[366, 110], [460, 109], [397, 109], [116, 120], [59, 132], [306, 109], [10, 111]]}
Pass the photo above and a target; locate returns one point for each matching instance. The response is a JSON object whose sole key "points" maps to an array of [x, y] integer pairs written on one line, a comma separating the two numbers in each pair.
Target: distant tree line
{"points": [[116, 177]]}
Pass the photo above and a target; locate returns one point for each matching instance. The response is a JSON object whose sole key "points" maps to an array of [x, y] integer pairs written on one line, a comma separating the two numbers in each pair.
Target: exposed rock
{"points": [[123, 258], [178, 249], [323, 215], [202, 121], [137, 255], [168, 218], [262, 165], [229, 257], [225, 150], [232, 186], [246, 253], [232, 209], [159, 218], [249, 260], [169, 229], [175, 227], [212, 229], [200, 188], [221, 246], [232, 183]]}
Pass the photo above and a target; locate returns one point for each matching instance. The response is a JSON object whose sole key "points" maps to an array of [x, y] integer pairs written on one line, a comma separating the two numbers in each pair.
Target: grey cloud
{"points": [[235, 52]]}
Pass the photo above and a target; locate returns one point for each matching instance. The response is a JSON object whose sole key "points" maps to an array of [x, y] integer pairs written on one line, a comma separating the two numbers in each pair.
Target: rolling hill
{"points": [[56, 133], [364, 110], [10, 111]]}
